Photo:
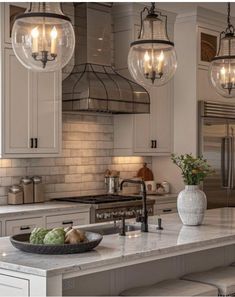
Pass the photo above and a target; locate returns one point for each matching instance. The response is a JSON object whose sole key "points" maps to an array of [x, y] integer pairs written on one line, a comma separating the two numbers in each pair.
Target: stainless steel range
{"points": [[112, 207]]}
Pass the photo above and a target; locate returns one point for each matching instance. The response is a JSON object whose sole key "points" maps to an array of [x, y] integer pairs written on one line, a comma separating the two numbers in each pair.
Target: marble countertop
{"points": [[38, 208], [116, 251]]}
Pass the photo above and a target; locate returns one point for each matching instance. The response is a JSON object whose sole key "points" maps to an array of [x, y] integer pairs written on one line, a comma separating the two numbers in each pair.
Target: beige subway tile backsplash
{"points": [[87, 153]]}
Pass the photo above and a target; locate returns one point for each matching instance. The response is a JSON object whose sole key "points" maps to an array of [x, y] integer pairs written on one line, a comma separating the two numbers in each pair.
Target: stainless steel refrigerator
{"points": [[216, 144]]}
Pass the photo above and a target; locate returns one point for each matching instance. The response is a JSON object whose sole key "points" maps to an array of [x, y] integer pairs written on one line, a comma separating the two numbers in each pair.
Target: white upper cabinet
{"points": [[17, 128], [153, 132], [141, 134], [30, 103], [47, 112]]}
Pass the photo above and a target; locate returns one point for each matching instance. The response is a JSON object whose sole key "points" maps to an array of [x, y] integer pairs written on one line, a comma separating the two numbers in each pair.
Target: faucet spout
{"points": [[144, 217]]}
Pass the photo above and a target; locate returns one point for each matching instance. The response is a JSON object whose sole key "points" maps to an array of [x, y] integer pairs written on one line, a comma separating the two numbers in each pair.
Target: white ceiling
{"points": [[184, 7]]}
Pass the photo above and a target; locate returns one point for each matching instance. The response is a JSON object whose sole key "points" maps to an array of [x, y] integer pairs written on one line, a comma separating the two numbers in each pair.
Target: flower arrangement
{"points": [[194, 169]]}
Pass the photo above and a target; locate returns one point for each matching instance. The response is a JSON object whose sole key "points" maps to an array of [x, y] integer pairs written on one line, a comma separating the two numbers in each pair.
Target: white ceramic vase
{"points": [[191, 205]]}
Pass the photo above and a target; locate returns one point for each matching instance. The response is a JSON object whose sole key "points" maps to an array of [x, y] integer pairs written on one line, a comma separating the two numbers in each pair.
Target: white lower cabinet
{"points": [[13, 286], [65, 220], [26, 223], [165, 208], [164, 204], [21, 226]]}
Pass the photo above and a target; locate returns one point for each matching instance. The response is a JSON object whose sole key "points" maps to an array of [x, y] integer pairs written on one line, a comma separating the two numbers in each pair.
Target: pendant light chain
{"points": [[230, 29], [152, 9], [228, 17], [222, 70]]}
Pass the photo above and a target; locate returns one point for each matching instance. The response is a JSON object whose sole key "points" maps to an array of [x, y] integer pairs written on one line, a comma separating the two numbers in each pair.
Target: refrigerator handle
{"points": [[225, 162], [231, 157]]}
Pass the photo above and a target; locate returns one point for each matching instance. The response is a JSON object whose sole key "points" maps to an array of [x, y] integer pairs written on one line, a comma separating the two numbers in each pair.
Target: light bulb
{"points": [[35, 34], [53, 40], [53, 33]]}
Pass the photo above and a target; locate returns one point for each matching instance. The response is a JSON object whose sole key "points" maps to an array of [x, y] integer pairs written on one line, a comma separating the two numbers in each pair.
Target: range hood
{"points": [[93, 84]]}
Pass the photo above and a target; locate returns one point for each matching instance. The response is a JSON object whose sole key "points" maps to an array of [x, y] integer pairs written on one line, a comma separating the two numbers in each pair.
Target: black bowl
{"points": [[21, 242]]}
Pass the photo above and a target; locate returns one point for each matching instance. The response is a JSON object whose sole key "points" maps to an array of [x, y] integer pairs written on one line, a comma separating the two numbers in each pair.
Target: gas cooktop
{"points": [[98, 199]]}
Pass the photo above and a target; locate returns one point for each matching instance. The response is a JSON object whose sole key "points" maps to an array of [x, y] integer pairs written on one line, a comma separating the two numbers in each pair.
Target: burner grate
{"points": [[97, 199]]}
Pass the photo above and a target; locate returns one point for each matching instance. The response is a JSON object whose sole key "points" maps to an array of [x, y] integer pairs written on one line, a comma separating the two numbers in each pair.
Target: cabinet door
{"points": [[23, 225], [142, 133], [153, 132], [66, 220], [18, 105], [47, 112], [161, 118], [13, 286]]}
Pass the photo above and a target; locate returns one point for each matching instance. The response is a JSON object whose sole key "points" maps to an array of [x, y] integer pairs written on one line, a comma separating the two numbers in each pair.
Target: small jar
{"points": [[15, 195], [27, 185], [166, 187], [38, 191]]}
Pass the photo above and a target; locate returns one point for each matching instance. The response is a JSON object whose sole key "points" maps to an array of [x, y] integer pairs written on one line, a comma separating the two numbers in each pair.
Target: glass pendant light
{"points": [[43, 37], [152, 58], [222, 67]]}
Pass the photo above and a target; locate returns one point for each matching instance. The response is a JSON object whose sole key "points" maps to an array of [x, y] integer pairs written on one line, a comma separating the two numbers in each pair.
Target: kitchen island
{"points": [[121, 262]]}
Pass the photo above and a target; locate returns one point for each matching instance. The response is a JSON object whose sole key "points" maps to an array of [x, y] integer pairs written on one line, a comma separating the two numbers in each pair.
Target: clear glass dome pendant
{"points": [[222, 67], [43, 37], [152, 58]]}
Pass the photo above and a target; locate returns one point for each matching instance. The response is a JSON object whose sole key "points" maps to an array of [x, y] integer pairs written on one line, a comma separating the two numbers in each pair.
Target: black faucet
{"points": [[144, 217]]}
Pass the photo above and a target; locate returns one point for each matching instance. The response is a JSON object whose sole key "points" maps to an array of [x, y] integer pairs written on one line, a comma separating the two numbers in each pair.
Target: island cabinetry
{"points": [[21, 226], [164, 204], [30, 102], [25, 222], [66, 220], [13, 286], [141, 134]]}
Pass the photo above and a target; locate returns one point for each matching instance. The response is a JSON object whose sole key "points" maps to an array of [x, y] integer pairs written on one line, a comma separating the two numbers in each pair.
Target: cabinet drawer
{"points": [[165, 208], [23, 225], [63, 220], [13, 286]]}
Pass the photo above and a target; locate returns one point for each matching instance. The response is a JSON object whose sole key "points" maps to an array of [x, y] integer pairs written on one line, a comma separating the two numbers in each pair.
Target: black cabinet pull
{"points": [[67, 222], [167, 210], [31, 142], [152, 143], [24, 228], [36, 142], [155, 143]]}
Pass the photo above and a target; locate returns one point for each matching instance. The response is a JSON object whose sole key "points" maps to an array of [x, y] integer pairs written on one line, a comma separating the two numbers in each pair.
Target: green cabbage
{"points": [[37, 235], [55, 236]]}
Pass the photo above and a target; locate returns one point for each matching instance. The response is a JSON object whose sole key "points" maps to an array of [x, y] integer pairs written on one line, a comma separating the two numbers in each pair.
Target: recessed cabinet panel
{"points": [[142, 133], [162, 117], [18, 103], [66, 220], [13, 286], [47, 111], [23, 225], [153, 132]]}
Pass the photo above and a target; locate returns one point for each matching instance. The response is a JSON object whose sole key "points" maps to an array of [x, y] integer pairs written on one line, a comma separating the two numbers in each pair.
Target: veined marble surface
{"points": [[115, 251], [38, 208]]}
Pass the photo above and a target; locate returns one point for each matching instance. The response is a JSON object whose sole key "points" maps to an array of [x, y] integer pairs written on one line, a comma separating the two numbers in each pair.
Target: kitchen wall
{"points": [[87, 153]]}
